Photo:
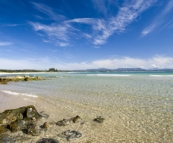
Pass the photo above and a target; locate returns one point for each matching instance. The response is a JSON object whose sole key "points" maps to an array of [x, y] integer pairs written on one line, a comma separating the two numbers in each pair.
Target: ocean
{"points": [[139, 105]]}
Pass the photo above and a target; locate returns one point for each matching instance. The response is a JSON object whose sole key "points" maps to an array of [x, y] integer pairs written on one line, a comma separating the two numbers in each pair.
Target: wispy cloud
{"points": [[57, 33], [104, 6], [101, 29], [48, 11], [6, 43], [11, 25], [159, 20], [121, 62]]}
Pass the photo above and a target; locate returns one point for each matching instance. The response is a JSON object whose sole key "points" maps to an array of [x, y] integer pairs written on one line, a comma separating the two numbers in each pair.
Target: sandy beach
{"points": [[128, 117], [91, 131]]}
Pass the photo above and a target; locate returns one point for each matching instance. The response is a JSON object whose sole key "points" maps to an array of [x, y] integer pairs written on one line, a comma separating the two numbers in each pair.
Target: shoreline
{"points": [[123, 122], [8, 73], [57, 111]]}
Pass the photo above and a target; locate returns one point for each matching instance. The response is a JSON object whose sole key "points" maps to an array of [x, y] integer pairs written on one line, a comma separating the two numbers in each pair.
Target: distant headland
{"points": [[88, 70]]}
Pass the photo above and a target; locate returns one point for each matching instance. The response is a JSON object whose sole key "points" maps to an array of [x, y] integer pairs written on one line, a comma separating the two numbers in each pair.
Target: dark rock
{"points": [[63, 122], [5, 80], [32, 129], [99, 119], [72, 134], [19, 119], [3, 129], [46, 125], [18, 125], [31, 112], [47, 140], [76, 119]]}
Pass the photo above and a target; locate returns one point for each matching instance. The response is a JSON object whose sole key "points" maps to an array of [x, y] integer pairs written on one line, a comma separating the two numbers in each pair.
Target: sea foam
{"points": [[18, 94], [113, 75], [161, 75]]}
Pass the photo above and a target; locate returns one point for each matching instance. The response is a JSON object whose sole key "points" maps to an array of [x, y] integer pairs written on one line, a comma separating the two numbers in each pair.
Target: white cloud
{"points": [[123, 62], [48, 11], [57, 33], [101, 29], [159, 20], [148, 30], [10, 25], [6, 43]]}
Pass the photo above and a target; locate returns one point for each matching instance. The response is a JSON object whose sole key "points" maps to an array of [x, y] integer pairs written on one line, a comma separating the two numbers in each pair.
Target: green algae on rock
{"points": [[5, 80], [17, 119]]}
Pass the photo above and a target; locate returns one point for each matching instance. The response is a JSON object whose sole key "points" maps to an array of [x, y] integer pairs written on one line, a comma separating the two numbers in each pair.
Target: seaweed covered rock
{"points": [[32, 129], [5, 80], [18, 119]]}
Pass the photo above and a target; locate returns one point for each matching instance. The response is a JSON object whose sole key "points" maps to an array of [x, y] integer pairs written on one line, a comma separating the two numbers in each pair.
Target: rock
{"points": [[63, 122], [99, 119], [5, 121], [31, 112], [18, 125], [5, 80], [47, 140], [46, 125], [3, 129], [26, 79], [19, 119], [32, 129], [72, 134], [76, 119], [43, 114]]}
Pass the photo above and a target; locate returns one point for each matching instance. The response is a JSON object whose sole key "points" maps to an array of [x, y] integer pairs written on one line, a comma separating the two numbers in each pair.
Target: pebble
{"points": [[72, 134], [99, 119], [46, 125]]}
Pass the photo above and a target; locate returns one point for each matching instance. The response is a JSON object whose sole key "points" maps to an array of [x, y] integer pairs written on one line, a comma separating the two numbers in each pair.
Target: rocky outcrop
{"points": [[19, 119], [26, 119], [5, 80]]}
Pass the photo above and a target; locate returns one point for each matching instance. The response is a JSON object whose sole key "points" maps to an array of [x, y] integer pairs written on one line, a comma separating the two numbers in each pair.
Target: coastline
{"points": [[57, 111], [124, 121], [18, 73]]}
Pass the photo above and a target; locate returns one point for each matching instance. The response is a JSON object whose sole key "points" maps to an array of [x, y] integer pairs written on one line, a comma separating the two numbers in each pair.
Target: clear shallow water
{"points": [[141, 102]]}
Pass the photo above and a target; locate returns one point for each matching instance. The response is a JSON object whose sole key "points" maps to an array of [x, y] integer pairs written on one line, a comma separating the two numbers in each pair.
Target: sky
{"points": [[86, 34]]}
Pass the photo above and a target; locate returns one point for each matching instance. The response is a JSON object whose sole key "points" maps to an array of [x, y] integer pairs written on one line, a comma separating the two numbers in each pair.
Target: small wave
{"points": [[113, 75], [91, 75], [17, 94], [161, 75]]}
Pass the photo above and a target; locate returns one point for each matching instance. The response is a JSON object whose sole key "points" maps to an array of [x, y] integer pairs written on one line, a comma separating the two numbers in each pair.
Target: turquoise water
{"points": [[95, 87], [143, 99]]}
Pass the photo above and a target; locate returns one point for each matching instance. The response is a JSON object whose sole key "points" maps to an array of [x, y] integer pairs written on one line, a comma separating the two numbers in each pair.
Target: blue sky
{"points": [[84, 34]]}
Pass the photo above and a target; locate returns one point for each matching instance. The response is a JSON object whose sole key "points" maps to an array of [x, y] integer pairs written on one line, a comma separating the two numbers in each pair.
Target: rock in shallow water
{"points": [[32, 129], [17, 119], [47, 140], [76, 119], [46, 125], [63, 122], [99, 119], [70, 135]]}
